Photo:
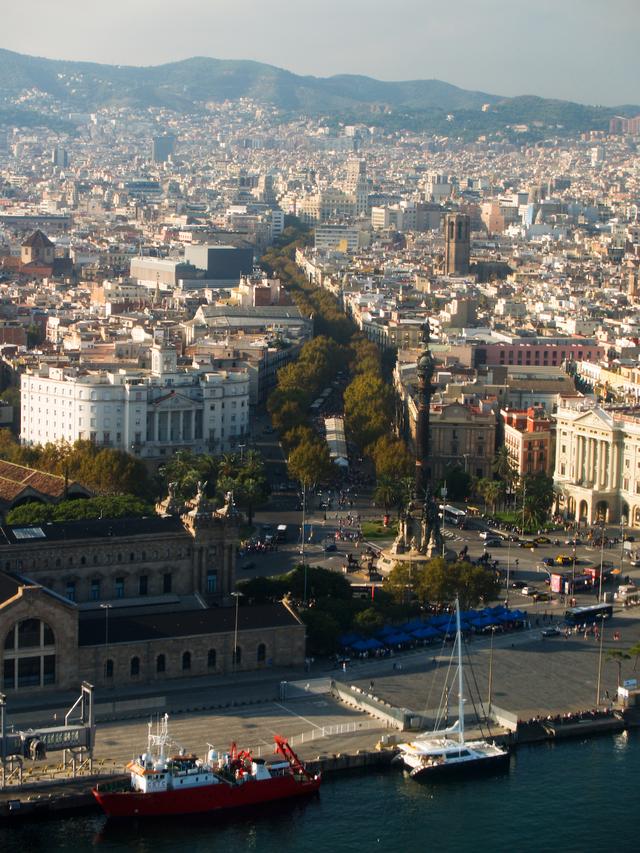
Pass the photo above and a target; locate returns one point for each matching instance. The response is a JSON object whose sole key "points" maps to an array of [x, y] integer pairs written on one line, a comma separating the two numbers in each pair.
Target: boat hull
{"points": [[486, 764], [200, 800]]}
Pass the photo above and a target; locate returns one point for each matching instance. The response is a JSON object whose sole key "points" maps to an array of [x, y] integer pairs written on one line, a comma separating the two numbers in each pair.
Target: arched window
{"points": [[108, 669], [186, 660], [135, 666], [262, 653], [211, 659], [161, 663], [237, 656], [29, 655]]}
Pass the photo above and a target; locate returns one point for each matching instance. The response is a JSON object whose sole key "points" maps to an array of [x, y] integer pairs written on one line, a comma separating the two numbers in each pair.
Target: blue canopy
{"points": [[443, 619], [385, 631], [517, 615], [348, 640], [482, 621], [366, 645], [397, 639], [412, 625], [426, 633]]}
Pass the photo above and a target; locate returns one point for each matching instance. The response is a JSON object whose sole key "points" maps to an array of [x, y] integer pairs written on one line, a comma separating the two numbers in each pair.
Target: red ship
{"points": [[184, 784]]}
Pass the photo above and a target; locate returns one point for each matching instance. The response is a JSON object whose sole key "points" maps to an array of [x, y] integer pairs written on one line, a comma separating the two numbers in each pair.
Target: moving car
{"points": [[529, 590], [563, 560], [493, 543], [552, 631], [542, 540]]}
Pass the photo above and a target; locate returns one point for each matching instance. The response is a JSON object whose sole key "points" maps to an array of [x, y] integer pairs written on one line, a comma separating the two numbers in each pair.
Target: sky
{"points": [[581, 50]]}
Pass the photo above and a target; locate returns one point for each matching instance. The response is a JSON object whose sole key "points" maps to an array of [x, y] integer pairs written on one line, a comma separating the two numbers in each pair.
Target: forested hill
{"points": [[44, 86]]}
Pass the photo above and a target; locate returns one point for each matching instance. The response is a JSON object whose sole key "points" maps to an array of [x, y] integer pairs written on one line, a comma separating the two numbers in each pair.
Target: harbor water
{"points": [[570, 796]]}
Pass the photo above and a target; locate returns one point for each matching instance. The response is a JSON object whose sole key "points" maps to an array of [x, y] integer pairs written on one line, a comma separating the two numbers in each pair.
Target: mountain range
{"points": [[187, 86]]}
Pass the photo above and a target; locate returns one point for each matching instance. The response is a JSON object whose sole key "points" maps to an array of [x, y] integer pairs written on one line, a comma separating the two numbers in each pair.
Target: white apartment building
{"points": [[597, 470], [148, 413]]}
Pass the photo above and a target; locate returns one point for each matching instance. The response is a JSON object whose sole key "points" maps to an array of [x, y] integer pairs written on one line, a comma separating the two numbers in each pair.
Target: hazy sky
{"points": [[584, 50]]}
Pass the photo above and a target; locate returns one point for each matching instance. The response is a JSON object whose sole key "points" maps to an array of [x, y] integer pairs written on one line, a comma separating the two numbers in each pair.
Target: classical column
{"points": [[578, 463], [590, 461]]}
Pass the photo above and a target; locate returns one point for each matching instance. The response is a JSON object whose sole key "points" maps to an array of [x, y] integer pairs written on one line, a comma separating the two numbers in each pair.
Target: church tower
{"points": [[457, 243]]}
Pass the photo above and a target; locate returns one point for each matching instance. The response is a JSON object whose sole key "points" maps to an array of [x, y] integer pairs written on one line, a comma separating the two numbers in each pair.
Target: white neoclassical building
{"points": [[597, 469], [148, 413]]}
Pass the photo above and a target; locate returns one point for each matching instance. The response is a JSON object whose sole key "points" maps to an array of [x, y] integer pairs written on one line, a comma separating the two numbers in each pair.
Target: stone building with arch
{"points": [[597, 465], [125, 601]]}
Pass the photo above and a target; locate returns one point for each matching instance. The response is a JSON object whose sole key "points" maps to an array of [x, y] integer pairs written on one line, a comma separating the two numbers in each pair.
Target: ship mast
{"points": [[460, 676]]}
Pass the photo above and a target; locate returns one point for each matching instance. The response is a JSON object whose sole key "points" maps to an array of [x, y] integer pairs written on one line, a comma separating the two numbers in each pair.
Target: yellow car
{"points": [[563, 560]]}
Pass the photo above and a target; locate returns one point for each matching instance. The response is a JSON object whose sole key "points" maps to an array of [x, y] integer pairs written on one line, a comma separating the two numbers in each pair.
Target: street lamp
{"points": [[601, 561], [237, 596], [508, 570], [524, 500], [241, 448], [623, 521], [600, 660], [444, 511], [106, 608], [493, 630], [304, 514]]}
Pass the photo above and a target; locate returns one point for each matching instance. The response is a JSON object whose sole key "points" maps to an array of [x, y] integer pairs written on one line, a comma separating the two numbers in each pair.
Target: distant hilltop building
{"points": [[624, 124], [162, 147], [37, 249]]}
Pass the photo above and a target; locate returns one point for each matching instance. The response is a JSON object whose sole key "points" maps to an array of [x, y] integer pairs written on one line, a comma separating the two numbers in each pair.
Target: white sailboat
{"points": [[445, 751]]}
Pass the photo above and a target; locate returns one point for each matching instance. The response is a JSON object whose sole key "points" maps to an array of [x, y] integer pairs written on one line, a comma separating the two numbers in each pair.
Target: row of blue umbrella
{"points": [[436, 627]]}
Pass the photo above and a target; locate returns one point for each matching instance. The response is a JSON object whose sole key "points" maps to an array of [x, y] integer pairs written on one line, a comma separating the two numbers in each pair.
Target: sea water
{"points": [[571, 796]]}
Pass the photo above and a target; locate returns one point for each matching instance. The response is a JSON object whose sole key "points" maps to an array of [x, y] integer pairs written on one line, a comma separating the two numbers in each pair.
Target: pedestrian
{"points": [[371, 686]]}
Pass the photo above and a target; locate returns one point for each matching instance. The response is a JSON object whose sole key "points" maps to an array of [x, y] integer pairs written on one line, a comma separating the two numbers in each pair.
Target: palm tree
{"points": [[387, 493], [617, 656], [504, 468]]}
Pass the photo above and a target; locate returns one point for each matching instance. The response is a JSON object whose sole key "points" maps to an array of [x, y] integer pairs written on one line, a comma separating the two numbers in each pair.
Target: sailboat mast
{"points": [[460, 677]]}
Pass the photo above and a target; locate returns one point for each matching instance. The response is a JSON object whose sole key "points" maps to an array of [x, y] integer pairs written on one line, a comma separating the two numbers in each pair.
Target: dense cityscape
{"points": [[296, 407]]}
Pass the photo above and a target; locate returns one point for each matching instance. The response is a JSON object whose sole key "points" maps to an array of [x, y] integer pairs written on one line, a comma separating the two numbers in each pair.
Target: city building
{"points": [[597, 465], [457, 243], [162, 147], [148, 413], [528, 437], [132, 601]]}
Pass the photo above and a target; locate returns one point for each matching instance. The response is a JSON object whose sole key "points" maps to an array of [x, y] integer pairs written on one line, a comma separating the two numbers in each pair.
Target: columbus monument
{"points": [[419, 535]]}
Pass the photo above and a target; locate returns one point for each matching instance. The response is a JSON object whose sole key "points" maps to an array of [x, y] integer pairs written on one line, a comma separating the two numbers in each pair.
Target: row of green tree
{"points": [[114, 473], [79, 509], [102, 470]]}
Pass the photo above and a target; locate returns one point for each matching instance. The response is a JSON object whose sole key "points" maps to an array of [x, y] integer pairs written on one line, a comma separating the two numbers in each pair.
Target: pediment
{"points": [[594, 419], [172, 400]]}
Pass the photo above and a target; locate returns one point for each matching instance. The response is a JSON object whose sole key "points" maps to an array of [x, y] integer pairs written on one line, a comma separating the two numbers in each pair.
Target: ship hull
{"points": [[200, 800], [486, 764]]}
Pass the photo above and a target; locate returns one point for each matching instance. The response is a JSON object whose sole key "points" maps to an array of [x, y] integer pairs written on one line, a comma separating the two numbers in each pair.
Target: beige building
{"points": [[121, 601], [597, 468], [461, 435], [528, 438]]}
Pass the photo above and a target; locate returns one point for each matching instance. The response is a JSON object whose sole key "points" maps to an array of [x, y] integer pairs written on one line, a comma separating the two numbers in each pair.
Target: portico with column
{"points": [[592, 463]]}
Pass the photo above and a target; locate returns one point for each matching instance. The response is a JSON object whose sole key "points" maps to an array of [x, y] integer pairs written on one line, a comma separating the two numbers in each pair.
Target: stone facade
{"points": [[28, 602], [210, 654], [597, 469], [110, 559]]}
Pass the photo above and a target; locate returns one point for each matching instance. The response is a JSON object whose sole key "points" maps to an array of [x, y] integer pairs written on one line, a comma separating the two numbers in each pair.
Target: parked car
{"points": [[542, 540], [541, 596], [527, 543], [552, 631]]}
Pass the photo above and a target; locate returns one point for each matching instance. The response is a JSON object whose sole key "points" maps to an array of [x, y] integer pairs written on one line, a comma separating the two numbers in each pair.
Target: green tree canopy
{"points": [[310, 462], [112, 506]]}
